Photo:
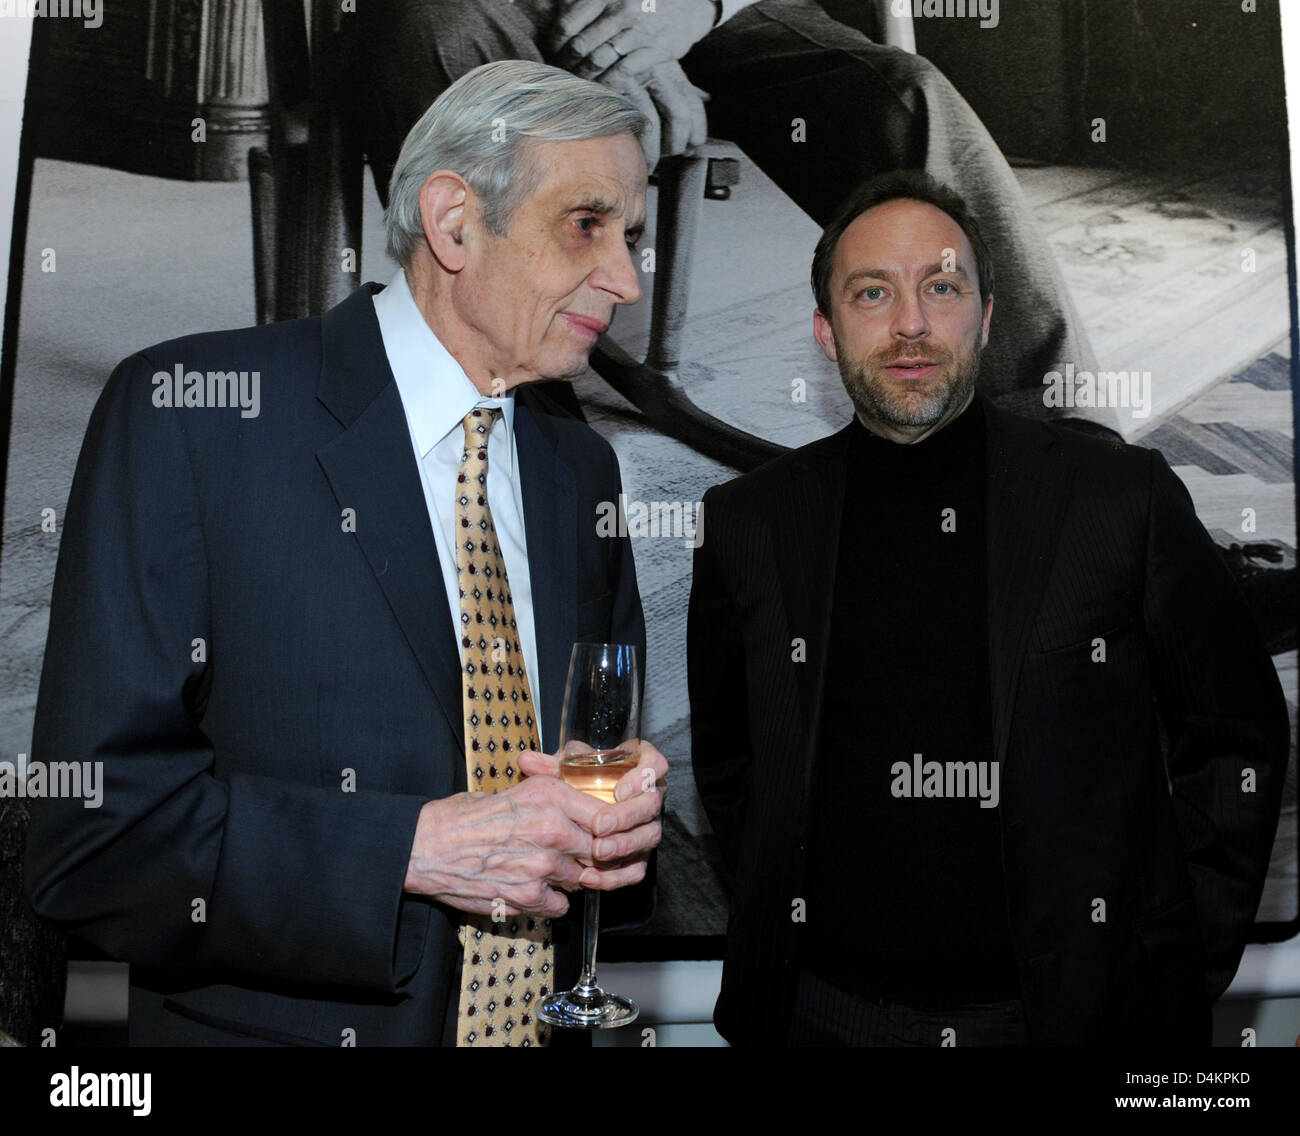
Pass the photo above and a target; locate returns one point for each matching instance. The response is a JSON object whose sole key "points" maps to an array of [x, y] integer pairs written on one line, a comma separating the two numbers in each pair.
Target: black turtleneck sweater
{"points": [[906, 896]]}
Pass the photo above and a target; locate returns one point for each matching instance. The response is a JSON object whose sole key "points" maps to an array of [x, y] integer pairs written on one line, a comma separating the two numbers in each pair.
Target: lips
{"points": [[911, 368], [589, 327]]}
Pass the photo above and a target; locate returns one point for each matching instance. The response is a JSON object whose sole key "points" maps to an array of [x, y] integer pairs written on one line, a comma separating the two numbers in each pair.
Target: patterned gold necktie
{"points": [[507, 963]]}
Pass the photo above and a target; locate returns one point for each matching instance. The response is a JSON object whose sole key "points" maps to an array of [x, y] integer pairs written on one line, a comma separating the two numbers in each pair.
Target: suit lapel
{"points": [[1030, 482], [551, 529], [371, 469], [806, 535]]}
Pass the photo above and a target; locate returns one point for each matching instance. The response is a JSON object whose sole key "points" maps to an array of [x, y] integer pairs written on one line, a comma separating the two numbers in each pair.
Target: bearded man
{"points": [[930, 661]]}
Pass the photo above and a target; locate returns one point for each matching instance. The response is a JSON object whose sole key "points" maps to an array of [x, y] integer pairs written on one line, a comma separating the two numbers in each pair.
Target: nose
{"points": [[909, 317], [618, 275]]}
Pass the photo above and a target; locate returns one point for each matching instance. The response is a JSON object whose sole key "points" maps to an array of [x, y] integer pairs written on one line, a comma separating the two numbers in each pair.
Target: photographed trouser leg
{"points": [[819, 108], [409, 51]]}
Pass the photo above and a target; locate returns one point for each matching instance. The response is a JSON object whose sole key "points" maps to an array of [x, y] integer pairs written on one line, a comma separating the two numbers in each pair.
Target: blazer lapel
{"points": [[1030, 481], [551, 528], [806, 535], [371, 469]]}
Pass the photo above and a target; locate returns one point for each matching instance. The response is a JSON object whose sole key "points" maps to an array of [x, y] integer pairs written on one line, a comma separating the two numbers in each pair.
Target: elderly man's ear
{"points": [[444, 208]]}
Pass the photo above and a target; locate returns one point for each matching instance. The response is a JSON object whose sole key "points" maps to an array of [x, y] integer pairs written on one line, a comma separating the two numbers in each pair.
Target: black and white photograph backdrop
{"points": [[188, 165]]}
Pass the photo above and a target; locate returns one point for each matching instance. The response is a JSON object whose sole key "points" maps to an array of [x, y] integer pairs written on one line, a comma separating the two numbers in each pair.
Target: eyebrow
{"points": [[934, 269]]}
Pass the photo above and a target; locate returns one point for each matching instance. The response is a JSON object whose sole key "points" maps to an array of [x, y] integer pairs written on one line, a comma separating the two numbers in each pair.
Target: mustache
{"points": [[932, 352]]}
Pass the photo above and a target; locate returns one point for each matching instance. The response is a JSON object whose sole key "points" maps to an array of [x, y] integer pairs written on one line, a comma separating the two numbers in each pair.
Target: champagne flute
{"points": [[600, 733]]}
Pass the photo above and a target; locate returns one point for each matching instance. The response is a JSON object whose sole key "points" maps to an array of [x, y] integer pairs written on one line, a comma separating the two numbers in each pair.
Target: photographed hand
{"points": [[674, 110], [683, 123], [513, 852], [592, 38], [626, 832]]}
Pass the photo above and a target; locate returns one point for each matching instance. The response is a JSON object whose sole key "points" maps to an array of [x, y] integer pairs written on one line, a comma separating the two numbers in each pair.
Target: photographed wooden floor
{"points": [[1185, 278]]}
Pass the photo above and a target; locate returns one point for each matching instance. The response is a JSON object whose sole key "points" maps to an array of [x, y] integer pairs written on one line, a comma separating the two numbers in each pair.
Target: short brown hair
{"points": [[914, 185]]}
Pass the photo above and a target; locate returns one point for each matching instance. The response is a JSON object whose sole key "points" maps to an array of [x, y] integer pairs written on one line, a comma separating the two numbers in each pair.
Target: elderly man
{"points": [[930, 658], [296, 630], [815, 103]]}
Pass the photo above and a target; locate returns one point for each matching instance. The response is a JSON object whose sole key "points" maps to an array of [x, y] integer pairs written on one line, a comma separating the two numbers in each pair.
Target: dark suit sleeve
{"points": [[186, 864], [1225, 717], [721, 751]]}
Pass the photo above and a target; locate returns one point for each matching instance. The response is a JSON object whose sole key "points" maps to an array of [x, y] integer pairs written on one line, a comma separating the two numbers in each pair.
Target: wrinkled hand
{"points": [[592, 38], [674, 110], [520, 850], [511, 852], [625, 833]]}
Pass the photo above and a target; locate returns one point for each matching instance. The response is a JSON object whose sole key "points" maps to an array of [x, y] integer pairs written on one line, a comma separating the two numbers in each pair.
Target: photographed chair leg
{"points": [[335, 173], [261, 185], [294, 241], [681, 195], [306, 185]]}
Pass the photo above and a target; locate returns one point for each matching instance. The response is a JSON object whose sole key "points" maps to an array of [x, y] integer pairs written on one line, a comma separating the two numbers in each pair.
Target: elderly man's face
{"points": [[907, 325], [539, 296]]}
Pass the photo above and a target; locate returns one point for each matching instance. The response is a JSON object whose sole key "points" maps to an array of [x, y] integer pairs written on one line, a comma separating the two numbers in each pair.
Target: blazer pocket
{"points": [[1171, 937], [1048, 646], [263, 1033], [1066, 625]]}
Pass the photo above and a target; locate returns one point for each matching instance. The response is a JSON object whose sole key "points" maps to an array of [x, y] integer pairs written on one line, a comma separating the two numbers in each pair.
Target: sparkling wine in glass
{"points": [[600, 733]]}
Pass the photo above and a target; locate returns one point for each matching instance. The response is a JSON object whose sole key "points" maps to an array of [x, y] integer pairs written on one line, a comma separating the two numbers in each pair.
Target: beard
{"points": [[877, 398]]}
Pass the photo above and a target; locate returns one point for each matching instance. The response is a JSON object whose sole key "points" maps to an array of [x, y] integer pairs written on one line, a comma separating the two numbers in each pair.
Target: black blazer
{"points": [[1085, 539], [256, 898]]}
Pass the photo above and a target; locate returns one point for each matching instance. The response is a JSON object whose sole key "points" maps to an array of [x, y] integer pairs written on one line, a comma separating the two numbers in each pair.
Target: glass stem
{"points": [[590, 930]]}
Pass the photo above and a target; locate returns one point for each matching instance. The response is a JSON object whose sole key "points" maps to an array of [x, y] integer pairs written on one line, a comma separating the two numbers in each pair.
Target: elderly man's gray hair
{"points": [[481, 126]]}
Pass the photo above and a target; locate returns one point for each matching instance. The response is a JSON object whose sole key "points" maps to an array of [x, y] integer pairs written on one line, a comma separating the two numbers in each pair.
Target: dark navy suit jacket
{"points": [[261, 789]]}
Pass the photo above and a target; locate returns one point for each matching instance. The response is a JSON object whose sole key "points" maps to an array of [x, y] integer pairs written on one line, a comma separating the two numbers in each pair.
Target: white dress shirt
{"points": [[436, 395]]}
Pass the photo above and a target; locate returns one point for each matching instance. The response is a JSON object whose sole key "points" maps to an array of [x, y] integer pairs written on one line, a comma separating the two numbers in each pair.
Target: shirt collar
{"points": [[436, 393]]}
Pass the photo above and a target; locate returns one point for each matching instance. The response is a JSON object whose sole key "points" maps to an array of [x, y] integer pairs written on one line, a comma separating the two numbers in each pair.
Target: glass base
{"points": [[587, 1009]]}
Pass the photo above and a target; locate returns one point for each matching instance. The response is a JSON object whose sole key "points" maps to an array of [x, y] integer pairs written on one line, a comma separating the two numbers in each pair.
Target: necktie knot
{"points": [[478, 425]]}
